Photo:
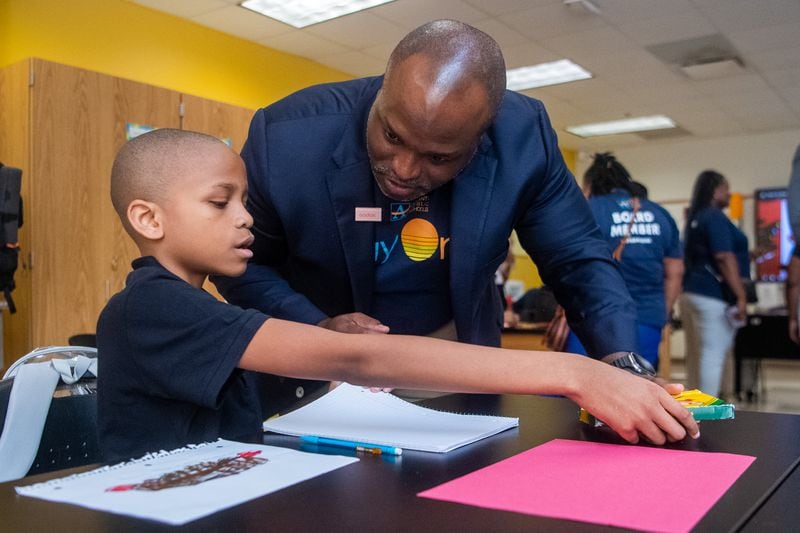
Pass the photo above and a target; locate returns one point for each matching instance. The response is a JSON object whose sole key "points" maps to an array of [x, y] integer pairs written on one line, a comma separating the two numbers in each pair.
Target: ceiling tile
{"points": [[748, 83], [528, 54], [358, 31], [616, 11], [791, 95], [505, 36], [708, 122], [591, 48], [784, 78], [767, 37], [242, 22], [381, 51], [412, 13], [356, 63], [737, 15], [304, 44], [183, 8], [768, 117], [551, 21], [666, 29], [775, 59], [502, 7]]}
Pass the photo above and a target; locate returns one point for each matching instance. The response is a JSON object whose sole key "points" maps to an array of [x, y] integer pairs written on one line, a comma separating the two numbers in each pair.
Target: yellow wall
{"points": [[130, 41], [524, 269]]}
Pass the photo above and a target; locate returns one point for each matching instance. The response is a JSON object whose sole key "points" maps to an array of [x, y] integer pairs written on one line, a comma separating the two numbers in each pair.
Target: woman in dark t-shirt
{"points": [[714, 300], [644, 239]]}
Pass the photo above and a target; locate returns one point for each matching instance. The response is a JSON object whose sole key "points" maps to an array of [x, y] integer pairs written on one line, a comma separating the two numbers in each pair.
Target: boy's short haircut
{"points": [[146, 165]]}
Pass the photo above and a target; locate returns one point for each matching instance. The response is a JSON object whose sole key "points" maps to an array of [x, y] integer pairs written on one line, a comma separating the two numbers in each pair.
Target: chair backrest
{"points": [[69, 434], [69, 437], [83, 339]]}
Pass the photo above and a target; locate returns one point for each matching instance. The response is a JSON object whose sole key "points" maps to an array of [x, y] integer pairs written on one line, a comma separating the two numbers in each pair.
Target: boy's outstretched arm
{"points": [[630, 405]]}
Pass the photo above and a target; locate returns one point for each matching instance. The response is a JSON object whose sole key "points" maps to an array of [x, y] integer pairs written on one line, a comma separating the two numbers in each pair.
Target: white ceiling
{"points": [[628, 80]]}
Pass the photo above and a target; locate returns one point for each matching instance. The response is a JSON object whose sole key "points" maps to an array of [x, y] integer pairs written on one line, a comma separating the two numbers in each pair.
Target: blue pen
{"points": [[375, 449]]}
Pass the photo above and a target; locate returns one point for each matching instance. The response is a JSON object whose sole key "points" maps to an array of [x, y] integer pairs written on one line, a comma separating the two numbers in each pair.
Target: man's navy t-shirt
{"points": [[412, 263], [168, 355]]}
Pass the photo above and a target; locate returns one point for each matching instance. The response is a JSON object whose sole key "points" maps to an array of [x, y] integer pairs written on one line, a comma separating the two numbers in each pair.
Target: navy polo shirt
{"points": [[707, 233], [653, 236], [169, 354]]}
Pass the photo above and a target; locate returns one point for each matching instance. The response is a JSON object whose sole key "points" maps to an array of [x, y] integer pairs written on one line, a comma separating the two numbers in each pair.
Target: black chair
{"points": [[763, 337], [69, 436], [83, 339]]}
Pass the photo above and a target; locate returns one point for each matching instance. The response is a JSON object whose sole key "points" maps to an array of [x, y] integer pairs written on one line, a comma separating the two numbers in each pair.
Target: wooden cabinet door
{"points": [[81, 254], [227, 122], [14, 151]]}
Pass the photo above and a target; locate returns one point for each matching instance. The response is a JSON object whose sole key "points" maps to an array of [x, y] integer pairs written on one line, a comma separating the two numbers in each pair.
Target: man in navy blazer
{"points": [[386, 204]]}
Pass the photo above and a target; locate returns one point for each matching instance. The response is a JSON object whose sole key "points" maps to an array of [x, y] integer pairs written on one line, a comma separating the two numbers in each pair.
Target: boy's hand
{"points": [[635, 407], [354, 323]]}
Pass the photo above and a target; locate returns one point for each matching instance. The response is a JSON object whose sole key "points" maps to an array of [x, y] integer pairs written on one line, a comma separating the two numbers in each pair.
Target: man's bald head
{"points": [[461, 55], [146, 166]]}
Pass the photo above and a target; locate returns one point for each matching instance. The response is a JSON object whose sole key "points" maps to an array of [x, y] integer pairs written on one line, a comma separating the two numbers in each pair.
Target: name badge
{"points": [[369, 214]]}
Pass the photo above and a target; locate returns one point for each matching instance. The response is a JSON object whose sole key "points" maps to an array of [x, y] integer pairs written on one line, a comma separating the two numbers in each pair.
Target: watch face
{"points": [[635, 363]]}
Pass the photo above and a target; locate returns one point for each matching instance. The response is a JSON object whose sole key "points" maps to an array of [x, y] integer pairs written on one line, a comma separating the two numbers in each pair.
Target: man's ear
{"points": [[145, 219]]}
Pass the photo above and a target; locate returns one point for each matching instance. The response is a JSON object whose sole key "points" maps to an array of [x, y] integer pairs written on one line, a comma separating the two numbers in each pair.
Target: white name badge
{"points": [[368, 214]]}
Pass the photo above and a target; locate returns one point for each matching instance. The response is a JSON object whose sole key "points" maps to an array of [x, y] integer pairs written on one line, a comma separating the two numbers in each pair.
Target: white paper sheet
{"points": [[214, 476], [357, 414]]}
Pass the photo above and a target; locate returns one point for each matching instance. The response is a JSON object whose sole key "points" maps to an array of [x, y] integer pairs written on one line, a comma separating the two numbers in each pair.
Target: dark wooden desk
{"points": [[379, 493]]}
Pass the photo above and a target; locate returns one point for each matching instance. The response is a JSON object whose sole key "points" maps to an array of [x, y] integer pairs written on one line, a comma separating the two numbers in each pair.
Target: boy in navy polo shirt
{"points": [[175, 359]]}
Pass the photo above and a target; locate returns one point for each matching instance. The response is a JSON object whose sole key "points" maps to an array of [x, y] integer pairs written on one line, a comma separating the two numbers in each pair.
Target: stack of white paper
{"points": [[357, 414], [185, 484]]}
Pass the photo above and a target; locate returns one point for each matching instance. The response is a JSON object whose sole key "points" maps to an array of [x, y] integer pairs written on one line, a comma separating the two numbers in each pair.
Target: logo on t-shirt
{"points": [[419, 237], [419, 240], [399, 210], [639, 228]]}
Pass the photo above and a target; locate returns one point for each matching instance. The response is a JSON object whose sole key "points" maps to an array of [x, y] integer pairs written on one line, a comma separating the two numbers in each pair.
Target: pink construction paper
{"points": [[637, 487]]}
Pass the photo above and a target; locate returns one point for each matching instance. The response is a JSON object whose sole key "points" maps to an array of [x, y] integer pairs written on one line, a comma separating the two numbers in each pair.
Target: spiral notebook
{"points": [[357, 414], [182, 485]]}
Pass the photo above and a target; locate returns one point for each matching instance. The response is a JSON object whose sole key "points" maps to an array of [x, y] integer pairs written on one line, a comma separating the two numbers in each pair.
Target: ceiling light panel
{"points": [[544, 74], [627, 125], [302, 13]]}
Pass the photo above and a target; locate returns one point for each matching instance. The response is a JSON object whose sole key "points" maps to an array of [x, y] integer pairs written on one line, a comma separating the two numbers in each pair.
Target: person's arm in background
{"points": [[674, 267], [559, 232], [261, 286], [673, 279], [729, 269], [792, 294]]}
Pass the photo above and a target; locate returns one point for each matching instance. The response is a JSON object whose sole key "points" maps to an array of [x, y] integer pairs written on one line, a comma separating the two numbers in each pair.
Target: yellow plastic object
{"points": [[702, 406]]}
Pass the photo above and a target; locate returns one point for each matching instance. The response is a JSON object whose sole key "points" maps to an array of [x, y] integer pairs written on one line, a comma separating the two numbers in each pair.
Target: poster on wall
{"points": [[134, 130], [774, 239]]}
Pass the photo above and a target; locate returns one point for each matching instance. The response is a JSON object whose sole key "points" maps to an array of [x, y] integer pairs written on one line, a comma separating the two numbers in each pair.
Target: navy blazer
{"points": [[308, 170]]}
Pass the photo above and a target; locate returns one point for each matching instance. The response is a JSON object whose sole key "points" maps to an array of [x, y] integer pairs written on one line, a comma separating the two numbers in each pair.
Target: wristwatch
{"points": [[635, 364]]}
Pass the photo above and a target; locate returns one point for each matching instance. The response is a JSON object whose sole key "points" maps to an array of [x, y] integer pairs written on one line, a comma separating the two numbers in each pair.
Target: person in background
{"points": [[385, 204], [510, 317], [645, 240], [176, 359], [714, 302], [793, 277]]}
